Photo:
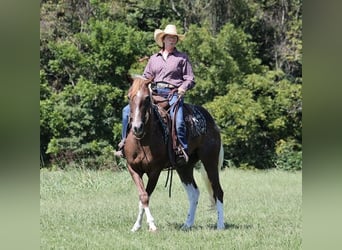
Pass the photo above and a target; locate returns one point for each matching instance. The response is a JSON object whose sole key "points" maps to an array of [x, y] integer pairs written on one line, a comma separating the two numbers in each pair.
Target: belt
{"points": [[163, 85]]}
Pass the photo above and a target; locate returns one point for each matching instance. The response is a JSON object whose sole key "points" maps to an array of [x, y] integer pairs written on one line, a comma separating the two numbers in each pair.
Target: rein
{"points": [[170, 169]]}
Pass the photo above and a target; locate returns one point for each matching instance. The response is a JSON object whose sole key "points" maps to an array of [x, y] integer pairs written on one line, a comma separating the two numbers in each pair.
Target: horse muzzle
{"points": [[138, 129]]}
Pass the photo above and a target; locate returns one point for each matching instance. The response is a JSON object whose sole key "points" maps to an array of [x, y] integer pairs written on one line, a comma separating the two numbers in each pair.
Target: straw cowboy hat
{"points": [[170, 29]]}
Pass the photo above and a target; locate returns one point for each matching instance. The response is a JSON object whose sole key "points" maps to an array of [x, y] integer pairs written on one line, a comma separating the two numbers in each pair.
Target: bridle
{"points": [[148, 109]]}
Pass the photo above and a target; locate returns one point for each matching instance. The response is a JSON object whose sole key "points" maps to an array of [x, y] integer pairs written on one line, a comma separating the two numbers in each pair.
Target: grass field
{"points": [[83, 209]]}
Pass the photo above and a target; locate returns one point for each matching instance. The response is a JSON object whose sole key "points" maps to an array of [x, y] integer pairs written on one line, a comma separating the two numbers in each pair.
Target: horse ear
{"points": [[129, 79]]}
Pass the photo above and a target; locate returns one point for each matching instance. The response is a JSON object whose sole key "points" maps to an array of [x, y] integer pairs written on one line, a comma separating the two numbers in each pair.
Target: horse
{"points": [[146, 152]]}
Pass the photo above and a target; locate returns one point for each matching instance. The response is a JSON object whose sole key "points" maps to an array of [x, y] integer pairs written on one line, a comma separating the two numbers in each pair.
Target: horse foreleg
{"points": [[150, 220], [193, 194], [137, 224], [143, 203], [151, 184]]}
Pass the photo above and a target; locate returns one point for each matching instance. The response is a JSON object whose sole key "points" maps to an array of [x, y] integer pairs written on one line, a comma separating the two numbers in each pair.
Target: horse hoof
{"points": [[153, 229], [185, 228], [135, 228]]}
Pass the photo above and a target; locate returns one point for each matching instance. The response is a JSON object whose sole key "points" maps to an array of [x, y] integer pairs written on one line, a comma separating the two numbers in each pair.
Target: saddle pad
{"points": [[195, 121]]}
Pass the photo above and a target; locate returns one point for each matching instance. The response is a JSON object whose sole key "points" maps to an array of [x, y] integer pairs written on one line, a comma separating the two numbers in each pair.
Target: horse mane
{"points": [[138, 83]]}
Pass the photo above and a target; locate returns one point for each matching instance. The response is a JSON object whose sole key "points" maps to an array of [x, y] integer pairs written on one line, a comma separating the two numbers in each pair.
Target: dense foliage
{"points": [[246, 55]]}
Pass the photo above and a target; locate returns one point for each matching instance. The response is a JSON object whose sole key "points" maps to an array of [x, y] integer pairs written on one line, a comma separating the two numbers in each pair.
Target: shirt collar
{"points": [[174, 52]]}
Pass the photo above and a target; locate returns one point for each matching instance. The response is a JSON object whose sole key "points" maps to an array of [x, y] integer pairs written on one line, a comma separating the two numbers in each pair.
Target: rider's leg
{"points": [[125, 117], [180, 125]]}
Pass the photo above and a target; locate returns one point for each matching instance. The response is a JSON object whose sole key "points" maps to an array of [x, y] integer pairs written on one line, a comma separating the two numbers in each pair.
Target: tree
{"points": [[219, 60], [256, 115], [276, 27], [99, 59], [80, 120], [246, 55]]}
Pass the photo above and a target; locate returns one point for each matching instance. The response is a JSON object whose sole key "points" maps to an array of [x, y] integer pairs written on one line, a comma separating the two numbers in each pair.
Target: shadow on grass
{"points": [[227, 226]]}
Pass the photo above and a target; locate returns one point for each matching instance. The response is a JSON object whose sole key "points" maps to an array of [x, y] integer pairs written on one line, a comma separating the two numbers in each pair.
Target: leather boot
{"points": [[182, 157]]}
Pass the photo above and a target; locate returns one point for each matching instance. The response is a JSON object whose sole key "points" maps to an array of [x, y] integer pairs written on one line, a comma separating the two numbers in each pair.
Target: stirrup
{"points": [[121, 144], [119, 153]]}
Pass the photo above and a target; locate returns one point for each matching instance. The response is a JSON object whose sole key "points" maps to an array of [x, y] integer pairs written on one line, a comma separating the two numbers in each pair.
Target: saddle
{"points": [[195, 123]]}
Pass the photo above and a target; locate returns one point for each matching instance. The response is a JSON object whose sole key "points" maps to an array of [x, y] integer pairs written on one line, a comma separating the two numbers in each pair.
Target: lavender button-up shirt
{"points": [[176, 69]]}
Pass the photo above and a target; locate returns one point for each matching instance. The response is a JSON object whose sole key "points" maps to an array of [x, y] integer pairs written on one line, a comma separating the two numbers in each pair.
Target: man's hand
{"points": [[181, 91]]}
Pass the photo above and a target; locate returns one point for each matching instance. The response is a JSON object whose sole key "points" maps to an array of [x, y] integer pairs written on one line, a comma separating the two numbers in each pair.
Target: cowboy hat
{"points": [[170, 29]]}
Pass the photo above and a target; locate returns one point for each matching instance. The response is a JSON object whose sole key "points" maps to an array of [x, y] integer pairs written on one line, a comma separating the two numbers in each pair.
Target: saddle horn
{"points": [[147, 81]]}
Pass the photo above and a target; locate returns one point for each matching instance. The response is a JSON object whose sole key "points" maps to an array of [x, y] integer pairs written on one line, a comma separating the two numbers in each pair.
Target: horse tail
{"points": [[221, 157], [207, 181]]}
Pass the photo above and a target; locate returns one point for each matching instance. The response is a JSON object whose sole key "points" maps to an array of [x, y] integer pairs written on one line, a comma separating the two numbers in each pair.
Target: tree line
{"points": [[246, 56]]}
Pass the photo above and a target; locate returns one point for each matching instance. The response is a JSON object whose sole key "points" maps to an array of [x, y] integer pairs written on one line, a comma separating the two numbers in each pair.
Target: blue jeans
{"points": [[125, 117], [180, 124]]}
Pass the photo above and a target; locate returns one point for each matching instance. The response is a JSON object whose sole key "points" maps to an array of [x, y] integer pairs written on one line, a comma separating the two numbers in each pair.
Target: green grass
{"points": [[83, 209]]}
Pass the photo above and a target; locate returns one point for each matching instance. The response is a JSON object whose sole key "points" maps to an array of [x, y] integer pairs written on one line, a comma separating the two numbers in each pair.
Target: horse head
{"points": [[140, 105]]}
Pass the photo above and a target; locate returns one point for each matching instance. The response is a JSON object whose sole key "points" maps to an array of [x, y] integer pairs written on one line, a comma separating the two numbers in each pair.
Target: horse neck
{"points": [[152, 125]]}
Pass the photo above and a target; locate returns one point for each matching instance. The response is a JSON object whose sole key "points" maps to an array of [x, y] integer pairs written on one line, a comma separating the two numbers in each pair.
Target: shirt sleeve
{"points": [[148, 70], [188, 75]]}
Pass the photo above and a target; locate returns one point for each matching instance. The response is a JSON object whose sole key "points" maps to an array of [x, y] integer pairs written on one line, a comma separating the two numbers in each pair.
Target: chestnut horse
{"points": [[147, 153]]}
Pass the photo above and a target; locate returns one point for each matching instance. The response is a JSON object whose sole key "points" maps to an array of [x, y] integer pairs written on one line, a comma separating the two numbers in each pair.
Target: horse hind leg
{"points": [[193, 194], [210, 175], [186, 175]]}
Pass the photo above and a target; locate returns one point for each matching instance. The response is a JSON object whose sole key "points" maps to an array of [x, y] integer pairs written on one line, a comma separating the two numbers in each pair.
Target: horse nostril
{"points": [[141, 127], [138, 128]]}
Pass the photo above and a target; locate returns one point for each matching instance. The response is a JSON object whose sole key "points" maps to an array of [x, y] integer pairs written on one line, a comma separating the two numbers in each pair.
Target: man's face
{"points": [[170, 41]]}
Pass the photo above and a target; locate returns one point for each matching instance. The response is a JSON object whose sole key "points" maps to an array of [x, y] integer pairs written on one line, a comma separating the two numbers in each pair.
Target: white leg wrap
{"points": [[150, 220], [220, 215], [137, 224], [193, 194]]}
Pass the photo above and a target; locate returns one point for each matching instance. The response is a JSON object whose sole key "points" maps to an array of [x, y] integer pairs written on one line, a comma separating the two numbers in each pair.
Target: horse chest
{"points": [[146, 159]]}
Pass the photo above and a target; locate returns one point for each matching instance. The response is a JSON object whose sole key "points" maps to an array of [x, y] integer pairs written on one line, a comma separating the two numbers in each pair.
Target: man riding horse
{"points": [[173, 76]]}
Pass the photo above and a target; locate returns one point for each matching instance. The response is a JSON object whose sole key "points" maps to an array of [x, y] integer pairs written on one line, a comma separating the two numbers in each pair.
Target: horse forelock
{"points": [[138, 84]]}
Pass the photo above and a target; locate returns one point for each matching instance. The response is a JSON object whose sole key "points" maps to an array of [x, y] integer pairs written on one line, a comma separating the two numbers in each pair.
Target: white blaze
{"points": [[137, 115]]}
